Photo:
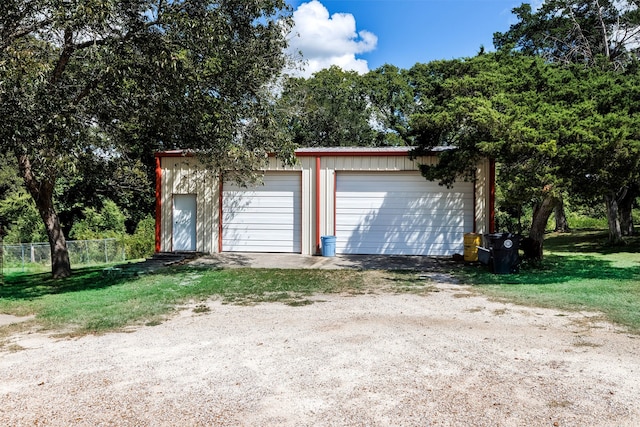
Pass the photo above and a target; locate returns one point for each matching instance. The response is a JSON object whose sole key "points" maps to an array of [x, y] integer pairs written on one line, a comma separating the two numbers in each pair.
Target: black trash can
{"points": [[504, 252]]}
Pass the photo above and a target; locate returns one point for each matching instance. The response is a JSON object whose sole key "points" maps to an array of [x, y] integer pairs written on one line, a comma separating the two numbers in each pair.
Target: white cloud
{"points": [[326, 40]]}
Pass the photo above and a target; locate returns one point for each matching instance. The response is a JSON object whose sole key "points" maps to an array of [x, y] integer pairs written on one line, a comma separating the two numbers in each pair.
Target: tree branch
{"points": [[605, 37], [67, 51], [20, 32]]}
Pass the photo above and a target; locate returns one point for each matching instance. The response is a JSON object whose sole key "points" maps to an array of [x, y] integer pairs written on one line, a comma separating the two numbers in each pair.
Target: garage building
{"points": [[374, 200]]}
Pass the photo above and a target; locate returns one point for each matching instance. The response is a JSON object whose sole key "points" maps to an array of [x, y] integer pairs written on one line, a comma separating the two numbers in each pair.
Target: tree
{"points": [[500, 106], [391, 102], [116, 79], [600, 151], [600, 35], [328, 109], [576, 31]]}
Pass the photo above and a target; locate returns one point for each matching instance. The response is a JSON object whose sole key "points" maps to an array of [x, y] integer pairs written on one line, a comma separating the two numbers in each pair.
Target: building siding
{"points": [[184, 175]]}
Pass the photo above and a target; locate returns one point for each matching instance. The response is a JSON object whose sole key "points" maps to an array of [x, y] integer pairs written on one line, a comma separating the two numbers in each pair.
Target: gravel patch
{"points": [[445, 358]]}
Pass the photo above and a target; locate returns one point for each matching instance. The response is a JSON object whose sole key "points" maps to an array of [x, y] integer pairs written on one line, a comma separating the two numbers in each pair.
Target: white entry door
{"points": [[184, 222]]}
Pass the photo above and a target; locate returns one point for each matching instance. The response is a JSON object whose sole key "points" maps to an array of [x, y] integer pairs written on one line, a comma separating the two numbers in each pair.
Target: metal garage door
{"points": [[264, 218], [401, 213]]}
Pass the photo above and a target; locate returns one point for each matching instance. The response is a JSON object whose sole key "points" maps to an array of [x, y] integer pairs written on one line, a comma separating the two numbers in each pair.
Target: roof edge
{"points": [[330, 152]]}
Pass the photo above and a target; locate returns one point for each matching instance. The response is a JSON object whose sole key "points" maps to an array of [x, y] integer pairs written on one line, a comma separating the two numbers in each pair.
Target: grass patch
{"points": [[579, 272], [91, 301]]}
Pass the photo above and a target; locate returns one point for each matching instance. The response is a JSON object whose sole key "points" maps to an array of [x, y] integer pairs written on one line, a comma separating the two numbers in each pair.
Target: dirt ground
{"points": [[447, 357]]}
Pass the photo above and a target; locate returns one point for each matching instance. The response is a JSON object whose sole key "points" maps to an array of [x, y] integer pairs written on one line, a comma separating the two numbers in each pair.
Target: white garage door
{"points": [[264, 218], [401, 213]]}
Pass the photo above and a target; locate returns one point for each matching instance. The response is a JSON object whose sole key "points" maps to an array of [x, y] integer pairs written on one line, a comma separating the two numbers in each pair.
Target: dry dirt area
{"points": [[445, 358]]}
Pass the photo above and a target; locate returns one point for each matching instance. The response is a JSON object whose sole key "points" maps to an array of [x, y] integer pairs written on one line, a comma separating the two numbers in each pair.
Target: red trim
{"points": [[158, 204], [335, 200], [475, 182], [492, 196], [301, 214], [220, 187], [317, 204]]}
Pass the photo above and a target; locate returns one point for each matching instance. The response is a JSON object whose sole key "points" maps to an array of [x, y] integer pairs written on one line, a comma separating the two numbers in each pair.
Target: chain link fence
{"points": [[34, 257]]}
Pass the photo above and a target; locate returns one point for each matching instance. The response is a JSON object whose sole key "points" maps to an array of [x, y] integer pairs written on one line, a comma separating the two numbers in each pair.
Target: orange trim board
{"points": [[220, 211], [318, 203], [158, 230]]}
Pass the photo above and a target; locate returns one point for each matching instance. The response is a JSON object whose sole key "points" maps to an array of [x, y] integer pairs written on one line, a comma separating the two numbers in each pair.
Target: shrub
{"points": [[108, 222], [141, 243]]}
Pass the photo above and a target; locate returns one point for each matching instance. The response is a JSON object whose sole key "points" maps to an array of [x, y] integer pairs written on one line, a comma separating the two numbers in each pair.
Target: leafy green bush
{"points": [[24, 222], [109, 221], [141, 243]]}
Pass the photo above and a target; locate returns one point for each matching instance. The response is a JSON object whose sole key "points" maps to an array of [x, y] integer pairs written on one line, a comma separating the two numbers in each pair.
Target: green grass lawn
{"points": [[91, 301], [579, 272]]}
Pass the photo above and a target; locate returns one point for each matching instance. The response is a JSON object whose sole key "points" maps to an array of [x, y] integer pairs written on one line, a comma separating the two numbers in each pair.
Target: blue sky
{"points": [[365, 34]]}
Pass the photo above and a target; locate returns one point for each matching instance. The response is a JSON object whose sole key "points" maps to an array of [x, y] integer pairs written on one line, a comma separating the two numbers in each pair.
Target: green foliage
{"points": [[109, 221], [84, 83], [552, 129], [141, 244], [329, 109], [23, 221], [391, 102], [576, 31]]}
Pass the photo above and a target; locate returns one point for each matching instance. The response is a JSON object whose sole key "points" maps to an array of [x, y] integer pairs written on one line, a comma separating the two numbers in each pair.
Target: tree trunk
{"points": [[42, 193], [562, 226], [541, 214], [615, 232], [625, 210]]}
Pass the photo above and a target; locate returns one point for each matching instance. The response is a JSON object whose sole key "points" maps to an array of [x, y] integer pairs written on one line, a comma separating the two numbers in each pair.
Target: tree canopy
{"points": [[330, 109], [590, 32], [113, 79]]}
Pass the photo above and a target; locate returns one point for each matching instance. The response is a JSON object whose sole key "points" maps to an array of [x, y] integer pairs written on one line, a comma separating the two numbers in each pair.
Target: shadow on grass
{"points": [[590, 241], [557, 269], [30, 286]]}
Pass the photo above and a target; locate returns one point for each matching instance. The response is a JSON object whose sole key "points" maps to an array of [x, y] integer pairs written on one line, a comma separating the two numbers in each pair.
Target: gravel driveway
{"points": [[446, 358]]}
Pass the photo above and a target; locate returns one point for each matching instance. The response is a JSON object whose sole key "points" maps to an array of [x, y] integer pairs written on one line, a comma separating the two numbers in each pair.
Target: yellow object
{"points": [[471, 243]]}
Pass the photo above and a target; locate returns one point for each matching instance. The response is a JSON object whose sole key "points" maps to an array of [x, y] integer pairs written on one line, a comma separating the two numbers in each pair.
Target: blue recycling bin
{"points": [[328, 245]]}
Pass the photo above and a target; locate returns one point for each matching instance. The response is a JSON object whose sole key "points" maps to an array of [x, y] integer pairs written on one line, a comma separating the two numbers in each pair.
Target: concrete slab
{"points": [[297, 261]]}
